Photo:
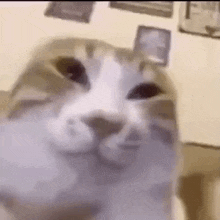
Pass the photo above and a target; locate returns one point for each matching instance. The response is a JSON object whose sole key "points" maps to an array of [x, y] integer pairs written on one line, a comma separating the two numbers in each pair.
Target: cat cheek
{"points": [[78, 138]]}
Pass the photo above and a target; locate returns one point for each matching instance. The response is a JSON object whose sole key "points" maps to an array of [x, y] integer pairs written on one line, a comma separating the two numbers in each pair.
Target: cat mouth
{"points": [[105, 163], [130, 145], [103, 157]]}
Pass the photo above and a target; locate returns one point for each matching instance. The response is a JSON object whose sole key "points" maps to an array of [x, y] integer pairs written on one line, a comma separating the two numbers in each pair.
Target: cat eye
{"points": [[73, 69], [144, 91]]}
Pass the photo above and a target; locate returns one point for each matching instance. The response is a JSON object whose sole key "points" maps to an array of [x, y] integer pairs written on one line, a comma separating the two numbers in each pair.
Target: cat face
{"points": [[108, 111], [100, 102], [104, 95]]}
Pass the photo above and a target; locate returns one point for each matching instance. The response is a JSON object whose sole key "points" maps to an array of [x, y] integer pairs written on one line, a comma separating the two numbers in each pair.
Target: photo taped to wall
{"points": [[154, 42]]}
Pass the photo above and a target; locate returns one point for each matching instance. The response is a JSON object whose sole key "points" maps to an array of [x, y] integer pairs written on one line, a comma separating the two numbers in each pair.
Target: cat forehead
{"points": [[108, 69], [96, 55], [110, 75], [85, 50], [99, 59]]}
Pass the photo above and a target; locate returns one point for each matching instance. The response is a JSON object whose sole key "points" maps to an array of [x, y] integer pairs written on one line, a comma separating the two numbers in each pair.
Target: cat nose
{"points": [[104, 124]]}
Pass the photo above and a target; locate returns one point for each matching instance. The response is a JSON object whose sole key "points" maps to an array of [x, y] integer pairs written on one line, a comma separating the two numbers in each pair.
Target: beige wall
{"points": [[194, 65]]}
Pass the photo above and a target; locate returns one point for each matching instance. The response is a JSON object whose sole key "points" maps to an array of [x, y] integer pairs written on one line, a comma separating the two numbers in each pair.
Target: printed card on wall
{"points": [[76, 11], [154, 42], [162, 9], [200, 18]]}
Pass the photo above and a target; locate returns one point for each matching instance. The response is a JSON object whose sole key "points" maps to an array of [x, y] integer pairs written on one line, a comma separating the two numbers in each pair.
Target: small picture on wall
{"points": [[200, 18], [154, 42], [161, 9], [75, 11]]}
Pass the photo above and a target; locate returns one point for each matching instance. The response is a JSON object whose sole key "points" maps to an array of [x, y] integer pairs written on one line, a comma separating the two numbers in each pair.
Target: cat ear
{"points": [[24, 97], [28, 93], [37, 84]]}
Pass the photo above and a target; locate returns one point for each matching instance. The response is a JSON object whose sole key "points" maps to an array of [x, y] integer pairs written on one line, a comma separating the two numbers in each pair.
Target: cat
{"points": [[90, 132]]}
